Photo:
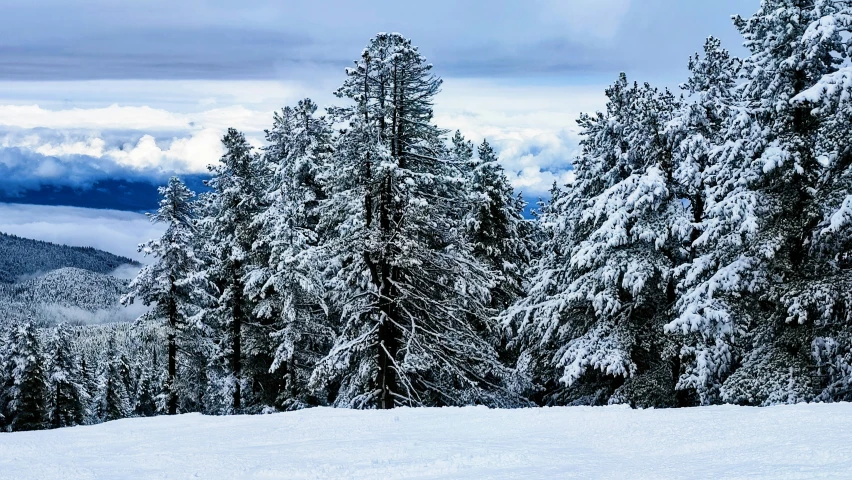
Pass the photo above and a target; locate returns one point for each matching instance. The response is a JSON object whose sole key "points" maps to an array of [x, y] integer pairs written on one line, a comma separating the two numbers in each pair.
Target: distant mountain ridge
{"points": [[22, 257]]}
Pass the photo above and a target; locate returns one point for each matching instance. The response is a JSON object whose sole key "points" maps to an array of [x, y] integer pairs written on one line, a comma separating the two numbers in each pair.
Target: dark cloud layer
{"points": [[135, 195], [30, 177]]}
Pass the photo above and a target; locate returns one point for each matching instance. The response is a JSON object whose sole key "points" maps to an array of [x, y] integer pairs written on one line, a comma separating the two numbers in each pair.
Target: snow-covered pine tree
{"points": [[599, 296], [229, 234], [699, 131], [67, 399], [25, 391], [496, 227], [173, 284], [5, 384], [765, 207], [543, 206], [815, 295], [90, 383], [542, 232], [114, 400], [193, 378], [146, 394], [461, 158], [828, 302], [284, 279], [405, 280], [462, 149], [539, 232]]}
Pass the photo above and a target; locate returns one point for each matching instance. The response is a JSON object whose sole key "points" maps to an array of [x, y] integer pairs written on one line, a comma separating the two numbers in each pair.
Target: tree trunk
{"points": [[171, 403], [388, 344], [236, 339], [388, 347], [291, 376], [56, 413], [697, 218], [172, 400]]}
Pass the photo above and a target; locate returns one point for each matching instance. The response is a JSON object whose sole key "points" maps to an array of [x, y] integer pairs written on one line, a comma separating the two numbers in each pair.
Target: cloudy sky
{"points": [[102, 99]]}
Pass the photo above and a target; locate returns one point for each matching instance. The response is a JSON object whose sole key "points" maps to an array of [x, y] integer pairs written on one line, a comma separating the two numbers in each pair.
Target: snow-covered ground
{"points": [[801, 441]]}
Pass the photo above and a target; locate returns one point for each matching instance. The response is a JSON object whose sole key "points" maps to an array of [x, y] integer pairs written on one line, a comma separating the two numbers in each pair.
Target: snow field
{"points": [[784, 442]]}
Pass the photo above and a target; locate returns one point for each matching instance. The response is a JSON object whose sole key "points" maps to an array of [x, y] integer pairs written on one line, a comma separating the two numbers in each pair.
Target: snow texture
{"points": [[784, 442]]}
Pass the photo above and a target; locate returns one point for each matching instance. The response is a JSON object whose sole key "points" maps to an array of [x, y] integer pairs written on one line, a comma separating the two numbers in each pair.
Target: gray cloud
{"points": [[545, 61], [289, 39], [22, 169]]}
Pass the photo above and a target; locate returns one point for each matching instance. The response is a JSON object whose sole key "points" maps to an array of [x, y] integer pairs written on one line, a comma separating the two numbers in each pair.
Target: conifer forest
{"points": [[366, 258]]}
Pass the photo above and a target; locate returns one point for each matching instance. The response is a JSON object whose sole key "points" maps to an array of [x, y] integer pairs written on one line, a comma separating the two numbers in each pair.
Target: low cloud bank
{"points": [[114, 231]]}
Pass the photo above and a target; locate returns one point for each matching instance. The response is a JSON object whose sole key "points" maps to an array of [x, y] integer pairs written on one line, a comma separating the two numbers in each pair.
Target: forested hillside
{"points": [[64, 295], [70, 287], [21, 257], [701, 255]]}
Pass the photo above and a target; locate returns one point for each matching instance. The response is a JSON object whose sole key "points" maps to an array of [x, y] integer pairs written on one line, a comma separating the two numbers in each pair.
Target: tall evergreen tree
{"points": [[406, 283], [26, 390], [461, 158], [828, 301], [462, 149], [146, 394], [761, 297], [600, 293], [230, 233], [545, 215], [285, 277], [5, 379], [496, 227], [89, 382], [173, 285], [114, 401], [699, 130], [68, 398]]}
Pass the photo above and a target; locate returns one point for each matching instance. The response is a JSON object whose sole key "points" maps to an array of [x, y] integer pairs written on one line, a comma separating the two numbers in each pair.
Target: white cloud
{"points": [[114, 116], [535, 183], [117, 117], [188, 154], [533, 128], [198, 143], [93, 147], [110, 230], [86, 129], [184, 96], [126, 272], [183, 155]]}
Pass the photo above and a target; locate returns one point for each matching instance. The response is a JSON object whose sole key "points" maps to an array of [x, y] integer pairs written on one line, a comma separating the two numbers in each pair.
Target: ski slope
{"points": [[800, 441]]}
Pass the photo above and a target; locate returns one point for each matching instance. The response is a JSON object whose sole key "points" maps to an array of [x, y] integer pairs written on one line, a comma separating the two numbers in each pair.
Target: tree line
{"points": [[64, 375], [701, 254]]}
